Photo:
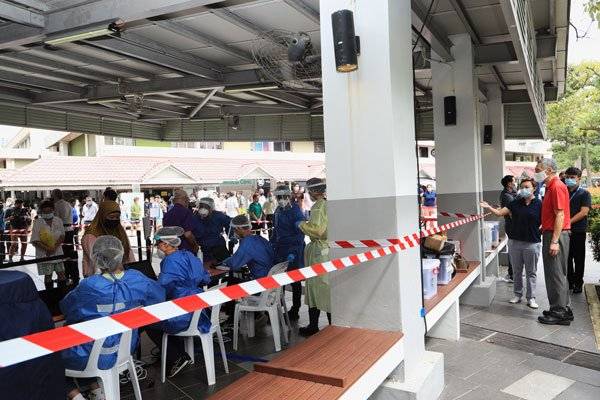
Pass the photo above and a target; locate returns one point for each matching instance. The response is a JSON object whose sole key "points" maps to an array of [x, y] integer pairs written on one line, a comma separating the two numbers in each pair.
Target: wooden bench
{"points": [[335, 363]]}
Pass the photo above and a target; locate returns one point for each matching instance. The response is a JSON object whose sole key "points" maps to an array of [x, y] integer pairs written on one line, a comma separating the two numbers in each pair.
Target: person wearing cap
{"points": [[317, 295], [288, 240], [181, 274], [112, 290], [181, 215], [254, 251], [209, 228]]}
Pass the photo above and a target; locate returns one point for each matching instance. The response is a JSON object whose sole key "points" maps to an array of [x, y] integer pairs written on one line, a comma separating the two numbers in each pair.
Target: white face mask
{"points": [[160, 254], [203, 212], [283, 202], [47, 216], [540, 176]]}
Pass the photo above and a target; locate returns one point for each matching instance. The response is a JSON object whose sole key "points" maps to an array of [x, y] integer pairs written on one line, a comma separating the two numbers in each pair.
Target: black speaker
{"points": [[487, 134], [345, 42], [450, 110]]}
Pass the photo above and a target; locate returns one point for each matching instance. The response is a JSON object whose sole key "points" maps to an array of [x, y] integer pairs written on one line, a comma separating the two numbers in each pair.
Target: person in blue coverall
{"points": [[181, 274], [288, 241], [111, 291], [210, 226], [254, 251]]}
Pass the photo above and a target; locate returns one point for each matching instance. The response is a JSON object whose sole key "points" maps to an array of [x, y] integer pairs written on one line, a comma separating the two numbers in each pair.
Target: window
{"points": [[24, 144], [282, 146], [423, 152], [319, 147], [118, 141]]}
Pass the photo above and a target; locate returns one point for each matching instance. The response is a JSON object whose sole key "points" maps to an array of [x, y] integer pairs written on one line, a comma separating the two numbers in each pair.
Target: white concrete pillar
{"points": [[372, 182], [458, 154], [493, 156]]}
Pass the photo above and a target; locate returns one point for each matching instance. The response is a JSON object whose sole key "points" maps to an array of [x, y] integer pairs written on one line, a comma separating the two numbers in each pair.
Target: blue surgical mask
{"points": [[570, 182], [524, 193]]}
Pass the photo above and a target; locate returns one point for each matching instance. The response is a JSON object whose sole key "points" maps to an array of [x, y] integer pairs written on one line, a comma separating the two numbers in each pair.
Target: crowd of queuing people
{"points": [[546, 218], [190, 235]]}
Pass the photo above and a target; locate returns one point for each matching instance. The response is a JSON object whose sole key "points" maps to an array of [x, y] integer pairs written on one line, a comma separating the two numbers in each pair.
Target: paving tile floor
{"points": [[521, 320]]}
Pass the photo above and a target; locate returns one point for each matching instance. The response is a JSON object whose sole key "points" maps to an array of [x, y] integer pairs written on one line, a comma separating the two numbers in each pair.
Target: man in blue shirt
{"points": [[507, 196], [254, 251], [209, 228], [181, 215], [581, 202]]}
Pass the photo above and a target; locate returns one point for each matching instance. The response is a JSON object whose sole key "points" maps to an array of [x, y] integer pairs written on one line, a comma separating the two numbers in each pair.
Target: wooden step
{"points": [[323, 366]]}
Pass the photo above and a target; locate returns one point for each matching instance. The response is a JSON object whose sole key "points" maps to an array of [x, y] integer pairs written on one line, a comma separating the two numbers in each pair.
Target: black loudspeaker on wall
{"points": [[487, 134], [450, 110]]}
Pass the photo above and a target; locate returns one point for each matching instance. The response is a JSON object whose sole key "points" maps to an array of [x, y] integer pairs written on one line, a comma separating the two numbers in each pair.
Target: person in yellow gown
{"points": [[317, 296]]}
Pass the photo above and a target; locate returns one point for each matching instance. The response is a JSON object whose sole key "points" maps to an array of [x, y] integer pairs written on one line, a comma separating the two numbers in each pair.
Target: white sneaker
{"points": [[97, 394], [532, 304], [515, 300]]}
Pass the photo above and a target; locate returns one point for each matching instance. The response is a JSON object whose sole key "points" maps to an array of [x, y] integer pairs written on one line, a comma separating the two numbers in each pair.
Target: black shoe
{"points": [[555, 318], [568, 314], [179, 365], [293, 314], [577, 289], [308, 331]]}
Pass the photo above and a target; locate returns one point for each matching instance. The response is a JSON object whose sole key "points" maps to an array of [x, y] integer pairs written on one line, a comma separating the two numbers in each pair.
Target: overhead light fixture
{"points": [[107, 100], [346, 44], [86, 32], [249, 88]]}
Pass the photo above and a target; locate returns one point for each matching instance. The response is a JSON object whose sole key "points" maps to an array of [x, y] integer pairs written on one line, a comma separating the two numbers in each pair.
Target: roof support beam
{"points": [[134, 46], [16, 34], [238, 21], [20, 15], [39, 82], [209, 113], [438, 41], [46, 74], [202, 103], [14, 95], [284, 97], [186, 83], [28, 59], [522, 96], [304, 9], [94, 61], [103, 10], [504, 52], [192, 34]]}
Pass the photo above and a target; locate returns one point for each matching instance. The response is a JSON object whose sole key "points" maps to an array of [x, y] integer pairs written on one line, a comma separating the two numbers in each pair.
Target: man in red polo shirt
{"points": [[556, 232]]}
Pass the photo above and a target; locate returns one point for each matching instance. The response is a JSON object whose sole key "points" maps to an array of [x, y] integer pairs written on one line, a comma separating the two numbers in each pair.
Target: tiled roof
{"points": [[113, 170]]}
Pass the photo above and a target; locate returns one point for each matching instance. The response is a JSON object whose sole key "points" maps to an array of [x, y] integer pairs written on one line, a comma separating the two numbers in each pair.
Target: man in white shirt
{"points": [[64, 211], [231, 206], [261, 197], [89, 210]]}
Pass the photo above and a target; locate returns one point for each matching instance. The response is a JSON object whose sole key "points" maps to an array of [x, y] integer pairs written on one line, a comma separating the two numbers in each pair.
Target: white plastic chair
{"points": [[205, 338], [269, 301], [109, 378]]}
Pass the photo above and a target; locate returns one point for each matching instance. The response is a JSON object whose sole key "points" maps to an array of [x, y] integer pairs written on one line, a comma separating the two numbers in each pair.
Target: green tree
{"points": [[593, 8], [573, 122]]}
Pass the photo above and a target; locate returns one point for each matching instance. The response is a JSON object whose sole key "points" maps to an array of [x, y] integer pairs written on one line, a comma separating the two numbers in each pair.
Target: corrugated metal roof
{"points": [[64, 172]]}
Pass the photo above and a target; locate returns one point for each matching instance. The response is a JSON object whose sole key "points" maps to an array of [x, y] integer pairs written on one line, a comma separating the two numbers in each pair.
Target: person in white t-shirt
{"points": [[47, 236], [89, 211], [231, 206]]}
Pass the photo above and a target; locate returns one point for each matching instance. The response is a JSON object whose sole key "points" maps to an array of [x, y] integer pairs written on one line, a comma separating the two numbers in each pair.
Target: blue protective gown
{"points": [[181, 273], [287, 237], [209, 232], [254, 251], [99, 296]]}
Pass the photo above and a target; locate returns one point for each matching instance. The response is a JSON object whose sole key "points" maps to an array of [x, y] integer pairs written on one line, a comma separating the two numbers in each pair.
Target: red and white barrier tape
{"points": [[456, 215], [406, 241], [39, 344]]}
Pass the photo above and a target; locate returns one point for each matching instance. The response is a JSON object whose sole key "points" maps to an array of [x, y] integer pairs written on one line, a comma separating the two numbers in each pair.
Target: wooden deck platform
{"points": [[324, 367]]}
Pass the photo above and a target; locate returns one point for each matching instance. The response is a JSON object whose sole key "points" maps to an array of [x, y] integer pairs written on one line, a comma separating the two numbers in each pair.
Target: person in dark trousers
{"points": [[556, 237], [580, 203], [507, 196]]}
